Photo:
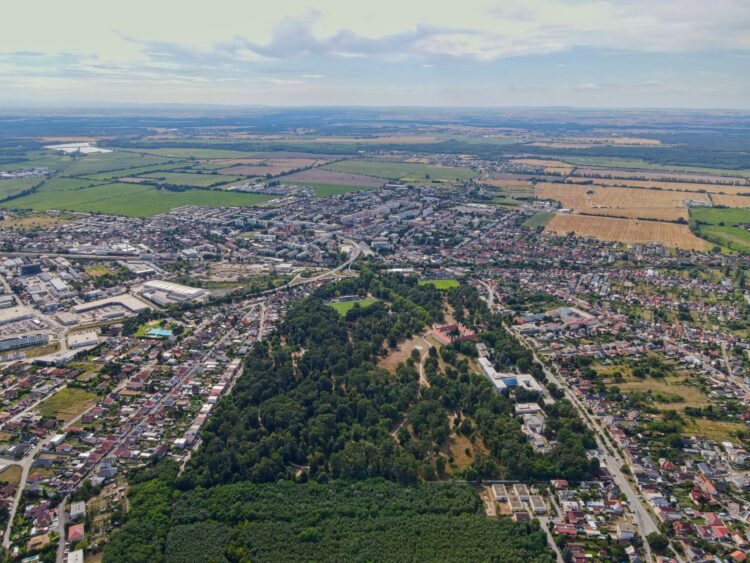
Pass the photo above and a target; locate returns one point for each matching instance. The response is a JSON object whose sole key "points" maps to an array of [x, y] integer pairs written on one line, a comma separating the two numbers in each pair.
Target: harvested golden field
{"points": [[521, 188], [571, 196], [666, 186], [594, 172], [730, 200], [625, 198], [656, 214], [550, 166], [661, 205], [558, 170], [629, 231]]}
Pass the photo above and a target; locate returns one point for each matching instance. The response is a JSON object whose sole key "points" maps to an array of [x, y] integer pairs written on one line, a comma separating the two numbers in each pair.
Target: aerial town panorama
{"points": [[405, 282]]}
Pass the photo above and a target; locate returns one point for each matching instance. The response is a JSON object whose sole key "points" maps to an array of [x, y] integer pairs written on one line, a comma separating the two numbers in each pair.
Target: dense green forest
{"points": [[319, 452], [370, 520]]}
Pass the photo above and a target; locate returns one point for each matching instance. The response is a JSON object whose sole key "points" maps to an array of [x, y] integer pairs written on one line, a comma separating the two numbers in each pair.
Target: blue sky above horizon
{"points": [[586, 53]]}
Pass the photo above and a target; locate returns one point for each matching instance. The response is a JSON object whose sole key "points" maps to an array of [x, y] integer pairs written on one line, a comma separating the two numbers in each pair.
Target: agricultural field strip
{"points": [[330, 177], [626, 230]]}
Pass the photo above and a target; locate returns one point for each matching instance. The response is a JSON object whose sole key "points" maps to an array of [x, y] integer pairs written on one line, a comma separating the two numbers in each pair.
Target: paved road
{"points": [[544, 524], [61, 516], [643, 518], [25, 464]]}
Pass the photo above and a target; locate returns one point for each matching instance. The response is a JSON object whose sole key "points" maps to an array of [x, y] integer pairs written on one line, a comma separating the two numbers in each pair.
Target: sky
{"points": [[483, 53]]}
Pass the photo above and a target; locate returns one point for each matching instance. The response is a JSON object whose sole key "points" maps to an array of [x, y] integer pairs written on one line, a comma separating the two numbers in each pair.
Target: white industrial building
{"points": [[83, 339], [164, 292]]}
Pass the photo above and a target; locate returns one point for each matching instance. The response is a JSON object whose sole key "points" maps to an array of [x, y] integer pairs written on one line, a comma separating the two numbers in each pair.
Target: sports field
{"points": [[343, 307], [440, 284]]}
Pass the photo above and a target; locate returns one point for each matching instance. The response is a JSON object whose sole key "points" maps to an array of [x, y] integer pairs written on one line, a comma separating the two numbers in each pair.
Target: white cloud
{"points": [[295, 43]]}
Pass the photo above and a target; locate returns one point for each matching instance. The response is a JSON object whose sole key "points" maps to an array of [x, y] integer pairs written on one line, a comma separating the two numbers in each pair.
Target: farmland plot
{"points": [[668, 186], [571, 196], [629, 231], [656, 176], [261, 167], [330, 177], [730, 200]]}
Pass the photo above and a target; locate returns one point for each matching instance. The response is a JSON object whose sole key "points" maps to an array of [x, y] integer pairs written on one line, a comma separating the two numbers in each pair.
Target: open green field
{"points": [[734, 238], [13, 186], [343, 307], [66, 404], [117, 160], [130, 172], [133, 200], [38, 159], [440, 284], [327, 190], [186, 179], [717, 215], [505, 201], [397, 170], [619, 162], [539, 219], [197, 152], [723, 227]]}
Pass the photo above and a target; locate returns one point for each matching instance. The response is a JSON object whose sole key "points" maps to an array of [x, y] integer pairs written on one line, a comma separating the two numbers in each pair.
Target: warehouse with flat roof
{"points": [[164, 292]]}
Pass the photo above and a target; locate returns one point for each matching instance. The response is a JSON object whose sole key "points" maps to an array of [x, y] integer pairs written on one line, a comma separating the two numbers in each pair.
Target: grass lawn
{"points": [[11, 474], [97, 271], [327, 190], [539, 219], [31, 221], [343, 307], [718, 430], [132, 200], [669, 387], [440, 284], [67, 403], [396, 170]]}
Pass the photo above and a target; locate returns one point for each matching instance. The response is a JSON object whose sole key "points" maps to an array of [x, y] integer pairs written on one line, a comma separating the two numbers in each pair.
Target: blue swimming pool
{"points": [[159, 332]]}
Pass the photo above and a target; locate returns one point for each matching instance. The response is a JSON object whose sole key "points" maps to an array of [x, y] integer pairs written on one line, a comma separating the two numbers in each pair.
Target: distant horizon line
{"points": [[25, 106]]}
